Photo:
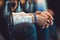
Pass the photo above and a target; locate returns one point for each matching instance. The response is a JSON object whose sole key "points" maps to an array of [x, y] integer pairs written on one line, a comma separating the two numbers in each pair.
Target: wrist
{"points": [[32, 18]]}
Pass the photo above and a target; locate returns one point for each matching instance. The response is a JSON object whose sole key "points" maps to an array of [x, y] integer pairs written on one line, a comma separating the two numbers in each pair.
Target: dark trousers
{"points": [[53, 32], [47, 33], [25, 31]]}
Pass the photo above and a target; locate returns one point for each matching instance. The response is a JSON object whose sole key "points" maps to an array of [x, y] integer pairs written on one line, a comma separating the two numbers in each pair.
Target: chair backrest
{"points": [[18, 8], [29, 7]]}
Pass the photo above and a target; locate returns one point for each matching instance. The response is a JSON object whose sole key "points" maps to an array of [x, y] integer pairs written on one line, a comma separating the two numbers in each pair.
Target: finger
{"points": [[44, 15], [51, 12], [48, 21], [43, 26], [47, 25], [43, 18], [38, 12], [51, 23], [49, 15]]}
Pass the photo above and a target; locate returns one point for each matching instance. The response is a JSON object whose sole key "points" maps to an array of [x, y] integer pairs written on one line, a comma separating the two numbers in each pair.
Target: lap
{"points": [[25, 31]]}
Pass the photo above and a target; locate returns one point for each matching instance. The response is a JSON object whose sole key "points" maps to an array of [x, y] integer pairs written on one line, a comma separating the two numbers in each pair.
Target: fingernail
{"points": [[43, 27], [47, 25], [51, 23]]}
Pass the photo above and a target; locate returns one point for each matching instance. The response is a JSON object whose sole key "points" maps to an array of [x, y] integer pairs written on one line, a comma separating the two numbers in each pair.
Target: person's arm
{"points": [[43, 18], [22, 17]]}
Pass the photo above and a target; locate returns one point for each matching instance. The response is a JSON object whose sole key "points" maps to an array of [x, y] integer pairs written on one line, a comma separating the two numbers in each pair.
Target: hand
{"points": [[50, 15], [44, 19]]}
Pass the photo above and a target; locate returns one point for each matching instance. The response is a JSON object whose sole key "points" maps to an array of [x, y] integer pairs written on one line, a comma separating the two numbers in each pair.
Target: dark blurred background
{"points": [[55, 6]]}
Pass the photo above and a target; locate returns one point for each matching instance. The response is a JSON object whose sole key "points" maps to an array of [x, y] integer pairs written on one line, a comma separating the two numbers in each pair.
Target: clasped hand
{"points": [[44, 19]]}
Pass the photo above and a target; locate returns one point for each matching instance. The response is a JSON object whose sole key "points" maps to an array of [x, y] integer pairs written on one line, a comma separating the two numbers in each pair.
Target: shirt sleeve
{"points": [[17, 18]]}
